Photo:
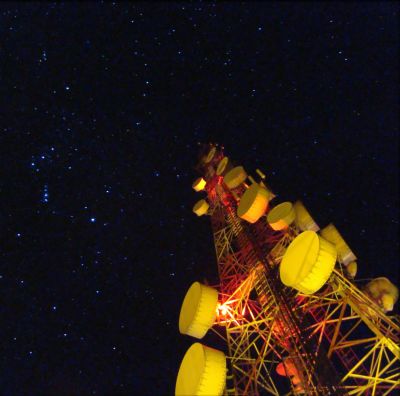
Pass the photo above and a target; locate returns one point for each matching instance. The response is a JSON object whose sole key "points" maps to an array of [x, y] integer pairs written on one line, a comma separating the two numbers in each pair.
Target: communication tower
{"points": [[286, 304]]}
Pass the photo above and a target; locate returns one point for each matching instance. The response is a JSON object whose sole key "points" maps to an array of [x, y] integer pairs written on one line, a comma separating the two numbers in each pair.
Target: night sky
{"points": [[102, 106]]}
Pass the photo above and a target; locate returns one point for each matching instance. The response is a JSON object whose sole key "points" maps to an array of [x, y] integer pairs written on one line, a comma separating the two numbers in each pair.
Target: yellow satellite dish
{"points": [[281, 216], [253, 203], [199, 184], [202, 372], [384, 292], [210, 155], [308, 262], [235, 177], [224, 166], [198, 311], [201, 207]]}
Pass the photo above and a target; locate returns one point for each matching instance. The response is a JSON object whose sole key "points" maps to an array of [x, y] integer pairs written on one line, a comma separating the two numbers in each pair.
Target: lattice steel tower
{"points": [[286, 303]]}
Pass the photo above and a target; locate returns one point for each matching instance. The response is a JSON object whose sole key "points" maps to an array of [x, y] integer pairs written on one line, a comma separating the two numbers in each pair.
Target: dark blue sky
{"points": [[102, 106]]}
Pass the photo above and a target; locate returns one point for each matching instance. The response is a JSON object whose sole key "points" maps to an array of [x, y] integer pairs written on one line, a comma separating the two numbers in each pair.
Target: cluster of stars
{"points": [[45, 195]]}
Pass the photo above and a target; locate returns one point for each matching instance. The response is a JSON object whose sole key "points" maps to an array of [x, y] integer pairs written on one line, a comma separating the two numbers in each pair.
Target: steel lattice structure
{"points": [[337, 340]]}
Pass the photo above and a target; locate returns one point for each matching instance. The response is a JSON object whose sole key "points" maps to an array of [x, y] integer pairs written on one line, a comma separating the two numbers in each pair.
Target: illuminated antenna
{"points": [[293, 320]]}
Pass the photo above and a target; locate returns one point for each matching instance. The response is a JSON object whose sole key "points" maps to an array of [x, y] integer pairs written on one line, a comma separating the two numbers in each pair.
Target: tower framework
{"points": [[286, 304]]}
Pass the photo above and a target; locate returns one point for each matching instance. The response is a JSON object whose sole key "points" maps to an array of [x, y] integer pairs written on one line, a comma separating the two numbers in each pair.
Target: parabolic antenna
{"points": [[202, 372], [253, 203], [224, 166], [199, 184], [201, 207], [235, 177], [210, 155], [308, 262], [384, 292], [198, 311], [281, 216]]}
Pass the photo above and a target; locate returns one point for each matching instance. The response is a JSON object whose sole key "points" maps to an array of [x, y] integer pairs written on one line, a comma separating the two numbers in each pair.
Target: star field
{"points": [[102, 106]]}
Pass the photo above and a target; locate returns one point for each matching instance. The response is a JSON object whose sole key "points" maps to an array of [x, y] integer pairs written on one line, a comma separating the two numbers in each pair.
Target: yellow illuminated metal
{"points": [[224, 166], [351, 269], [384, 292], [235, 177], [260, 173], [307, 263], [303, 219], [287, 368], [201, 207], [198, 310], [199, 184], [210, 155], [202, 372], [253, 203], [331, 234], [347, 324], [281, 216]]}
